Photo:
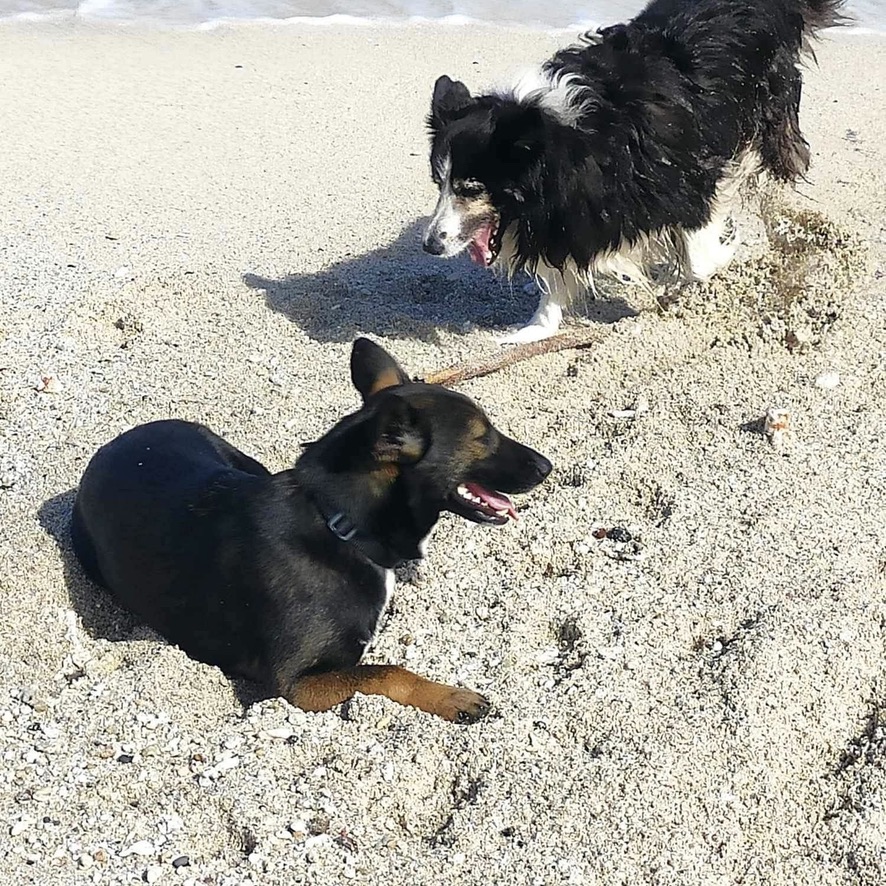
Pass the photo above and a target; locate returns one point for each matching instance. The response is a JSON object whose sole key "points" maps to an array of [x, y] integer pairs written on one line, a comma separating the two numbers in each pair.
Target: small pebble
{"points": [[600, 533], [181, 862], [49, 384], [282, 732], [298, 829], [611, 653], [548, 656], [223, 765], [777, 426], [798, 339], [827, 380], [153, 873], [142, 847], [619, 534], [318, 825]]}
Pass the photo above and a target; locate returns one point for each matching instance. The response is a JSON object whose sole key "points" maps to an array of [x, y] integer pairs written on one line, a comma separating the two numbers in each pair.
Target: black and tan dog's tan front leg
{"points": [[320, 692]]}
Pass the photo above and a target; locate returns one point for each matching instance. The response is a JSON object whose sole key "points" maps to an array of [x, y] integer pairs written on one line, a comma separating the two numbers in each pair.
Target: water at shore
{"points": [[868, 15]]}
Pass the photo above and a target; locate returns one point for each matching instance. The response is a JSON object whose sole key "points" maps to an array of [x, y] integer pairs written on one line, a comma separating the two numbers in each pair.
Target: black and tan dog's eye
{"points": [[486, 439]]}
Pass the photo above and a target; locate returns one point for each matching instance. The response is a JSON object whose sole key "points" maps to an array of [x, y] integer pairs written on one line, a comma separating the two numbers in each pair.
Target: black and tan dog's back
{"points": [[283, 577]]}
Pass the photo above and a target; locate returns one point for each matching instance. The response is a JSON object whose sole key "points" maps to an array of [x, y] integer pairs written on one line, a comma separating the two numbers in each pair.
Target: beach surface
{"points": [[197, 224]]}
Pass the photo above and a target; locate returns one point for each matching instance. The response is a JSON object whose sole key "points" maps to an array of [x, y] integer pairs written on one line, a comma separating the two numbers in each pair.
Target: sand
{"points": [[197, 225]]}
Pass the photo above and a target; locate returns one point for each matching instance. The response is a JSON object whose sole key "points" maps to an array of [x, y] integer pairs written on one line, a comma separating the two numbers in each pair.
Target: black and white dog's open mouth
{"points": [[485, 243]]}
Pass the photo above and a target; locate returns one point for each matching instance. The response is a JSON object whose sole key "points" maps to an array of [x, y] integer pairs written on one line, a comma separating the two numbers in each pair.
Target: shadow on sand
{"points": [[397, 291], [102, 618]]}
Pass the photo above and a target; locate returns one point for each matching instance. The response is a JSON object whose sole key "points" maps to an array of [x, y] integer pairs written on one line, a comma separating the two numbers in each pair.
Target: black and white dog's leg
{"points": [[710, 248], [553, 298]]}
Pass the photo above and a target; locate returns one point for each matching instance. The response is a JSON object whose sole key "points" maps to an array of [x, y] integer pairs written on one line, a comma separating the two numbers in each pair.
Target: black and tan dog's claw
{"points": [[283, 577]]}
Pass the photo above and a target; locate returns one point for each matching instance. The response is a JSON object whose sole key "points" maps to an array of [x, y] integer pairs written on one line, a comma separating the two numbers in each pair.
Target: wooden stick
{"points": [[574, 339]]}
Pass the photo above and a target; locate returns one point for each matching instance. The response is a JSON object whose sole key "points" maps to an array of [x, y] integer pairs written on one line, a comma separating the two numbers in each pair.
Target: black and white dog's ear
{"points": [[450, 96], [519, 134], [373, 369]]}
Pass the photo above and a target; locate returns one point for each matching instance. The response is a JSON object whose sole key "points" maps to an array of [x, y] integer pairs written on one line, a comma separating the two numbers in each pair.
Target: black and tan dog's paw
{"points": [[465, 706]]}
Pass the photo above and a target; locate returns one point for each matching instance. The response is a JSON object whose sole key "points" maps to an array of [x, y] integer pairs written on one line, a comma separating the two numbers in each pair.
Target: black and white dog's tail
{"points": [[819, 14], [784, 152]]}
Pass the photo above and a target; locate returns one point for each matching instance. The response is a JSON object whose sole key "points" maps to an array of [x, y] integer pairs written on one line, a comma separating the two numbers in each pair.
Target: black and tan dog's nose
{"points": [[433, 242], [542, 467]]}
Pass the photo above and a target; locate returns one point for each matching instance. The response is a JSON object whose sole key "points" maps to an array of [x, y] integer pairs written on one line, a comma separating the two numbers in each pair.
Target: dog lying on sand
{"points": [[283, 578]]}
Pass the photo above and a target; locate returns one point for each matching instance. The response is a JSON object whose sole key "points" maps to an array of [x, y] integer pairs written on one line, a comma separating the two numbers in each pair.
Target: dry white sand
{"points": [[197, 225]]}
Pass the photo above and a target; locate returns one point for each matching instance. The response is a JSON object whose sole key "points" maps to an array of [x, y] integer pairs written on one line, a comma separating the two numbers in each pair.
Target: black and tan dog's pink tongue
{"points": [[498, 501]]}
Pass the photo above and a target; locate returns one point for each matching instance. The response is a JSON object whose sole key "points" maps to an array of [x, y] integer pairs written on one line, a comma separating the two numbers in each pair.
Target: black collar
{"points": [[344, 529]]}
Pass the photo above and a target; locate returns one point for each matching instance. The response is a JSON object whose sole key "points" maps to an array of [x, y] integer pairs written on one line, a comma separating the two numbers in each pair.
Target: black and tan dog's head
{"points": [[422, 449]]}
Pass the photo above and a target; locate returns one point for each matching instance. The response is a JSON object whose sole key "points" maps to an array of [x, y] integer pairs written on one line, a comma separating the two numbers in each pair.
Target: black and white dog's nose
{"points": [[433, 243]]}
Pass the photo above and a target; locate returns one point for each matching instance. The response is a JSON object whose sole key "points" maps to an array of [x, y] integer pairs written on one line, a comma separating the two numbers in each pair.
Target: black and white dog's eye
{"points": [[469, 188]]}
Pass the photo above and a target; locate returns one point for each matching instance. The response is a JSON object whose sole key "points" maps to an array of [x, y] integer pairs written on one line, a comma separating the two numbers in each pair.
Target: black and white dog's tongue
{"points": [[480, 247]]}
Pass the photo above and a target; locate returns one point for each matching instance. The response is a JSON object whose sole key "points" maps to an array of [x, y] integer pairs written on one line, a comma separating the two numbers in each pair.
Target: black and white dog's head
{"points": [[513, 168], [484, 157]]}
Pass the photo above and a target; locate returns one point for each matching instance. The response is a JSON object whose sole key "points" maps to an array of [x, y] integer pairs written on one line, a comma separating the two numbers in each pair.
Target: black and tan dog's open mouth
{"points": [[474, 502], [486, 243]]}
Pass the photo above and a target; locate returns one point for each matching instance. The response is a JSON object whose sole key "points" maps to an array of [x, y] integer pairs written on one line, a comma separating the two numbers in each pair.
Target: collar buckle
{"points": [[341, 527]]}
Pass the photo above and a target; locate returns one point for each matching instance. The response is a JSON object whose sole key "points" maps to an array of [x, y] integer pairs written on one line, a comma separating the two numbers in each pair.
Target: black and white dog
{"points": [[625, 151]]}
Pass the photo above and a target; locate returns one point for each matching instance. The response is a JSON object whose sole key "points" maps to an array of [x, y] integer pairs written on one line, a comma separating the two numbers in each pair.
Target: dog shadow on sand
{"points": [[101, 617], [397, 291]]}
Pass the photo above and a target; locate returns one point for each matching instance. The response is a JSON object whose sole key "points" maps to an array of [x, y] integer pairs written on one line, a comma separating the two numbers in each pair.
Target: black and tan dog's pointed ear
{"points": [[373, 369], [398, 437], [450, 96]]}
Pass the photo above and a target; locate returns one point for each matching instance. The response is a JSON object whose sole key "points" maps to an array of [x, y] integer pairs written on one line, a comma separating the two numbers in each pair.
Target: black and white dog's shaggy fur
{"points": [[626, 150]]}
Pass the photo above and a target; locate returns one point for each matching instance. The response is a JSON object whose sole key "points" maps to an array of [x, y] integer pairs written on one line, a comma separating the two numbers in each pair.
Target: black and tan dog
{"points": [[283, 578]]}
